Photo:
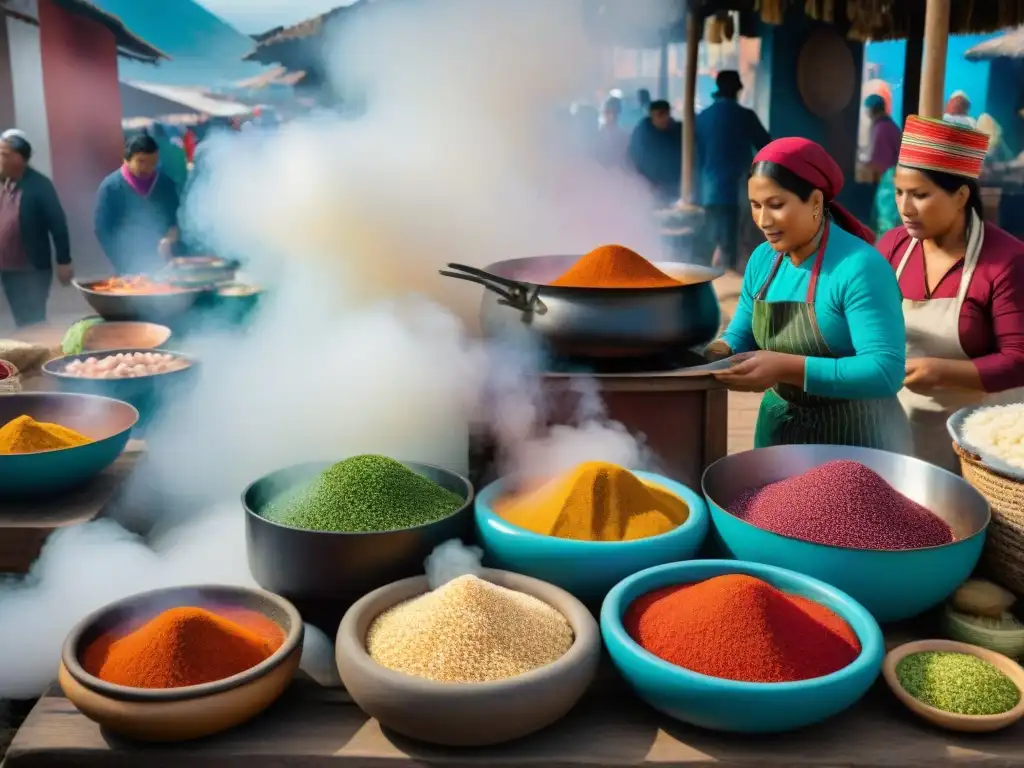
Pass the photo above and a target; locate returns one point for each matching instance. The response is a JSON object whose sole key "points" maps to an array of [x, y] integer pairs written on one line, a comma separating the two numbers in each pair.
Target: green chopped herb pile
{"points": [[364, 494], [958, 683]]}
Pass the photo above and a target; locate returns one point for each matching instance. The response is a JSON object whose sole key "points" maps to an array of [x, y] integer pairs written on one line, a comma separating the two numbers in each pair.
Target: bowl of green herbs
{"points": [[956, 686], [323, 535]]}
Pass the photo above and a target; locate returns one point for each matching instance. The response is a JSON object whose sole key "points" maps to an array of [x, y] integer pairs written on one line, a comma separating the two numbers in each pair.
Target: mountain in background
{"points": [[205, 50]]}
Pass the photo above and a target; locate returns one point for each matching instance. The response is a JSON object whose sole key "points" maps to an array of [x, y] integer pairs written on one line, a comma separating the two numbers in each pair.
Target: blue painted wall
{"points": [[961, 75], [780, 105]]}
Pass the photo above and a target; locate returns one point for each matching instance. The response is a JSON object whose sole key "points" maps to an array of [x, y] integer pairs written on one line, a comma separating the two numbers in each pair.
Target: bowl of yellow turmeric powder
{"points": [[587, 529], [51, 442]]}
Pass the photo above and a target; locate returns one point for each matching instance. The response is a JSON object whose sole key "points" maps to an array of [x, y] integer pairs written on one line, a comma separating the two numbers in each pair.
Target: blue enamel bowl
{"points": [[586, 569], [730, 705], [47, 473], [892, 584]]}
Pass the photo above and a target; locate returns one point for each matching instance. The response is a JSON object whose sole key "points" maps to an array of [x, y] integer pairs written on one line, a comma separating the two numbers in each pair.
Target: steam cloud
{"points": [[363, 348]]}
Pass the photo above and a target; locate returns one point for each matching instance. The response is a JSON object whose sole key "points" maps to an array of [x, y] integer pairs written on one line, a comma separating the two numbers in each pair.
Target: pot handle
{"points": [[522, 296]]}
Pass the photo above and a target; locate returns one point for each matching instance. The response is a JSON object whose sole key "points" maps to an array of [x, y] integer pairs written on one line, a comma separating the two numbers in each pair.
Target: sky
{"points": [[251, 16]]}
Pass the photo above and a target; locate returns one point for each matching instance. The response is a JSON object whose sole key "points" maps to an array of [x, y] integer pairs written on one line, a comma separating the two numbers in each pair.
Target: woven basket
{"points": [[1009, 642], [1003, 558], [11, 382]]}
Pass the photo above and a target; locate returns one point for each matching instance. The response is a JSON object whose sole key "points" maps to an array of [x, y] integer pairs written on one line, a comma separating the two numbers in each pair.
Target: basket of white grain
{"points": [[989, 439]]}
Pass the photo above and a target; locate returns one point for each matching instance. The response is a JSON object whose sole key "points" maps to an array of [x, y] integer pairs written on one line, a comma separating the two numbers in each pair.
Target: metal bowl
{"points": [[893, 585], [324, 572], [179, 714], [108, 422], [147, 307], [597, 323], [467, 714], [147, 393]]}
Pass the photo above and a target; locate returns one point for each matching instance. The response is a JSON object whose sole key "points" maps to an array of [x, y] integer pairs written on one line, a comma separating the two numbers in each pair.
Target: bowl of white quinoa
{"points": [[481, 660], [994, 434]]}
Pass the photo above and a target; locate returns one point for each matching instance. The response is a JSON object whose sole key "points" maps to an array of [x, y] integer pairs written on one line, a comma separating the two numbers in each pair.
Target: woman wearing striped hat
{"points": [[962, 280]]}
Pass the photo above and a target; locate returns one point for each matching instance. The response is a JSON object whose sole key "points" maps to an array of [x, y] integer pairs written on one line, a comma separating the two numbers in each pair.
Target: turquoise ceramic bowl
{"points": [[893, 585], [730, 705], [108, 422], [586, 569]]}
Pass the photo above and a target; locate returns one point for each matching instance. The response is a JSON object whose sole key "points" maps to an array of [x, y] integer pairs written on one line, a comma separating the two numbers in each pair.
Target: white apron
{"points": [[933, 330]]}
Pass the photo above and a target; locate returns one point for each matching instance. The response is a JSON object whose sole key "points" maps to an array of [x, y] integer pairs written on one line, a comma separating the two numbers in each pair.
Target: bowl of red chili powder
{"points": [[896, 533], [181, 663], [742, 647]]}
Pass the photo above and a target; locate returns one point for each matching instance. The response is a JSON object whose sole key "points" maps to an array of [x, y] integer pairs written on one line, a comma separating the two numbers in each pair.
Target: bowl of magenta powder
{"points": [[181, 663], [896, 533], [741, 647]]}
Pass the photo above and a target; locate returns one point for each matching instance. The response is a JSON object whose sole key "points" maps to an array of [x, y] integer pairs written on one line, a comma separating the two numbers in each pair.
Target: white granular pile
{"points": [[469, 631], [998, 430]]}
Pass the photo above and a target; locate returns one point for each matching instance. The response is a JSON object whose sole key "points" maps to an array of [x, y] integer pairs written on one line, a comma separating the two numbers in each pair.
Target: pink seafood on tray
{"points": [[126, 365]]}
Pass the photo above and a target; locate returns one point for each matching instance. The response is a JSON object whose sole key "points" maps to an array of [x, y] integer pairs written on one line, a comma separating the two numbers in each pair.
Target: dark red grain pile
{"points": [[738, 627], [844, 504]]}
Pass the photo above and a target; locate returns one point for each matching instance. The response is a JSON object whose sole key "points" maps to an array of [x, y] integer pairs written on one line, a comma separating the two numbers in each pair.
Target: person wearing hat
{"points": [[958, 110], [728, 135], [33, 232], [962, 281]]}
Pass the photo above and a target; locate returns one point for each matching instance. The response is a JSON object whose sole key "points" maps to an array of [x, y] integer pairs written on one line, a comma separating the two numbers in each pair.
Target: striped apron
{"points": [[789, 415]]}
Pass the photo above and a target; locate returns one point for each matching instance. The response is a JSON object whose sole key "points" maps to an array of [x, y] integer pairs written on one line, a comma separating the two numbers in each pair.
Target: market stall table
{"points": [[25, 525], [313, 726]]}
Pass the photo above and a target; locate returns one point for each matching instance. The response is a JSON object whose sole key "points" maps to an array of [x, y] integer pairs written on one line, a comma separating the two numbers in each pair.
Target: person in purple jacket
{"points": [[962, 281]]}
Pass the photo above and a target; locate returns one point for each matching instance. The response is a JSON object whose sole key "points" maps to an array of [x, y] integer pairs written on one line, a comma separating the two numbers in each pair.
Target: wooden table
{"points": [[25, 525], [683, 420], [313, 726]]}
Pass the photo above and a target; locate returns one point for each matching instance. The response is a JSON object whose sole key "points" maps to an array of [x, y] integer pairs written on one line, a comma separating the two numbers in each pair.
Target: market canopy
{"points": [[1008, 46], [151, 101]]}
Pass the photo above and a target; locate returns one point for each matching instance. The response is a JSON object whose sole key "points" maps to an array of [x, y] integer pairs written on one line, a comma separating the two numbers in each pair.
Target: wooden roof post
{"points": [[933, 71], [693, 35]]}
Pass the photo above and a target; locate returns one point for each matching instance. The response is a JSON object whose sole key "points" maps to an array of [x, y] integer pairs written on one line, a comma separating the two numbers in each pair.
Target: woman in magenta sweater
{"points": [[962, 281]]}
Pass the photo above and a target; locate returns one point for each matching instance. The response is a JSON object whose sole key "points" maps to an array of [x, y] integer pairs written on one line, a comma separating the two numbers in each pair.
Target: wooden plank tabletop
{"points": [[313, 726], [25, 525]]}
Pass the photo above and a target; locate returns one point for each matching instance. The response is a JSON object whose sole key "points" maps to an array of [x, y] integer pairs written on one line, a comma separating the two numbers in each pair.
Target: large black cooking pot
{"points": [[597, 323]]}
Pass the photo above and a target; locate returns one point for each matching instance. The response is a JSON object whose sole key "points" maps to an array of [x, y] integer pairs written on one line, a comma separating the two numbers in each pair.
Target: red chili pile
{"points": [[738, 627], [843, 504]]}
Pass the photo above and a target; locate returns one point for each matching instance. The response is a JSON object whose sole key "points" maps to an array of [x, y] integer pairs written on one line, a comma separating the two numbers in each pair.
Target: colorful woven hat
{"points": [[935, 145]]}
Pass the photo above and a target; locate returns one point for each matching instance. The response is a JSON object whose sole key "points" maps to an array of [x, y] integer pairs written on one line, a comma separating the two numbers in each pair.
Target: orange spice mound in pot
{"points": [[614, 266], [180, 647]]}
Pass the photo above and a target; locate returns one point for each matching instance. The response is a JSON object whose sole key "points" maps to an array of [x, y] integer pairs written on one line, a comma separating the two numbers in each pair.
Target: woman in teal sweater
{"points": [[819, 313]]}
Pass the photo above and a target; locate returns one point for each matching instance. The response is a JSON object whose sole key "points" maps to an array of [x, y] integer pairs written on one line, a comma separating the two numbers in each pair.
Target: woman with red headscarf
{"points": [[962, 279], [819, 312]]}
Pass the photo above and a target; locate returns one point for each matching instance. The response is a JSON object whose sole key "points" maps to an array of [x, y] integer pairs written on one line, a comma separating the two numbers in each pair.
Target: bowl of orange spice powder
{"points": [[589, 527], [181, 663]]}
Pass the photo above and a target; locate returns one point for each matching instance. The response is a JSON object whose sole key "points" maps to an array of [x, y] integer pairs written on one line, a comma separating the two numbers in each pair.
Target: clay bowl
{"points": [[472, 714], [125, 335], [180, 714], [948, 720]]}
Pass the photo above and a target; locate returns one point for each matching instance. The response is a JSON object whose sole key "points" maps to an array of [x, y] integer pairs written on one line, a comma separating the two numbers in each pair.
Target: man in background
{"points": [[612, 141], [33, 232], [656, 151], [637, 112], [728, 135], [958, 110]]}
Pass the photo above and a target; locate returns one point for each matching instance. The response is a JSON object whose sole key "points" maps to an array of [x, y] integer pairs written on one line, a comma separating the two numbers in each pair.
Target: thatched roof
{"points": [[1008, 46], [618, 20]]}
